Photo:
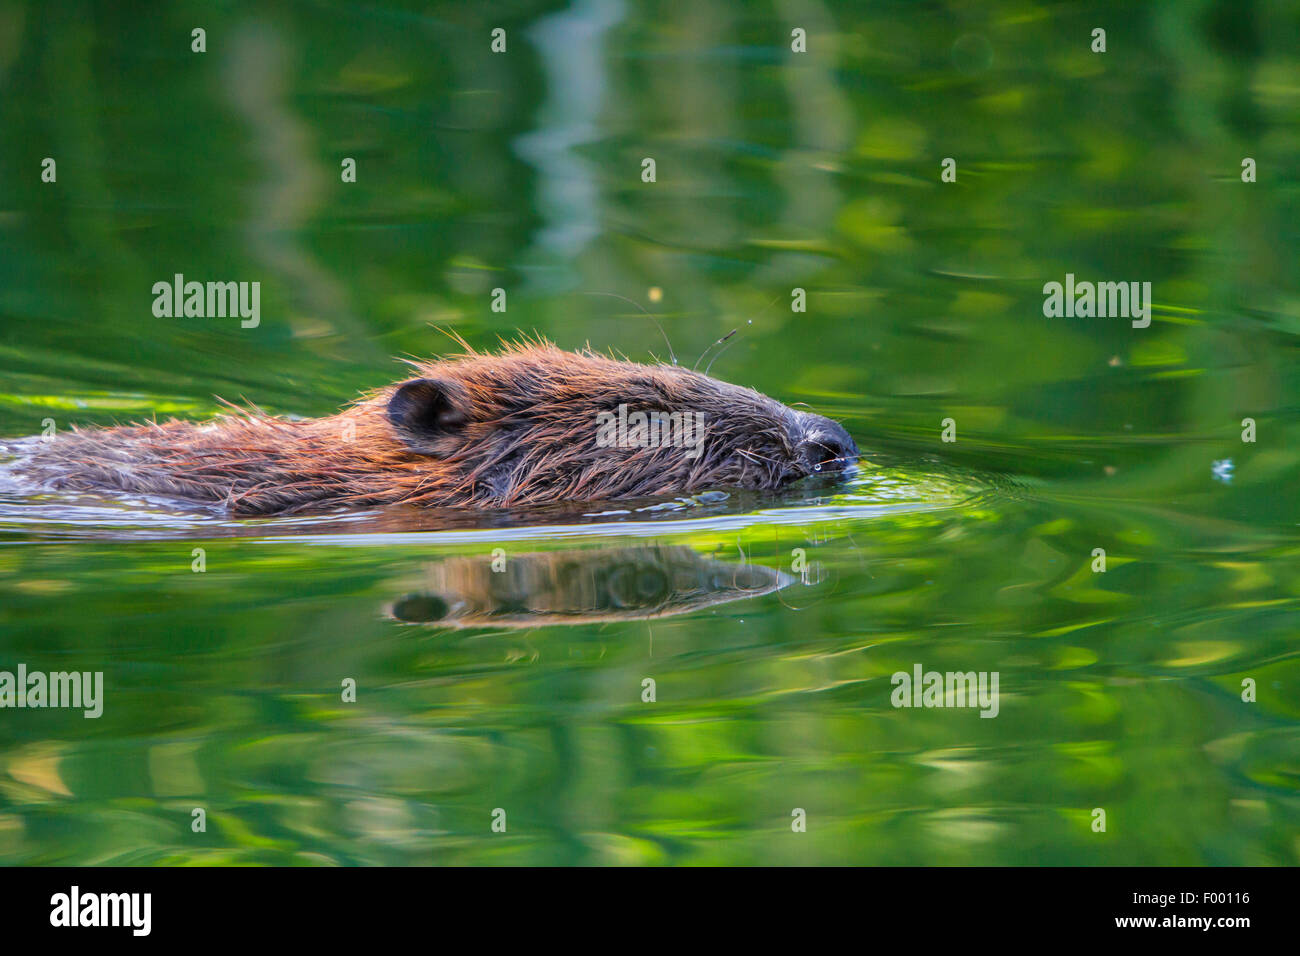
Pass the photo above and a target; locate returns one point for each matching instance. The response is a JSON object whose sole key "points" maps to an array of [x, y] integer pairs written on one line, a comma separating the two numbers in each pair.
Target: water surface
{"points": [[771, 626]]}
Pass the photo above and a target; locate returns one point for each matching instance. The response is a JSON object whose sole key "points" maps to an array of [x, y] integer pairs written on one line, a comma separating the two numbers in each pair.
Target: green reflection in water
{"points": [[1120, 690]]}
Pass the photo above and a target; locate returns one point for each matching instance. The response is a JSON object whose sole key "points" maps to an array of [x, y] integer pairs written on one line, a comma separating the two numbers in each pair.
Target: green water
{"points": [[523, 690]]}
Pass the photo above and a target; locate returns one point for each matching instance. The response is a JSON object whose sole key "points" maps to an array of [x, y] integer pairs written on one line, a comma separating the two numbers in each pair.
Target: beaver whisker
{"points": [[615, 295], [706, 351], [715, 357], [756, 456]]}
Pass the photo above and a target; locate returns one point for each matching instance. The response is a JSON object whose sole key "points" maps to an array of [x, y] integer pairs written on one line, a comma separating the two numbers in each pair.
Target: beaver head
{"points": [[534, 423], [529, 424]]}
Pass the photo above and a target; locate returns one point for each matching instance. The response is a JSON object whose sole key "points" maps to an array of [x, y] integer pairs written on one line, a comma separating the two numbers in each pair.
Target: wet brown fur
{"points": [[519, 427]]}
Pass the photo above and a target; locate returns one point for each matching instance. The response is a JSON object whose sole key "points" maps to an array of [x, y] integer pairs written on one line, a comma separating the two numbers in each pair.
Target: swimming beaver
{"points": [[515, 427]]}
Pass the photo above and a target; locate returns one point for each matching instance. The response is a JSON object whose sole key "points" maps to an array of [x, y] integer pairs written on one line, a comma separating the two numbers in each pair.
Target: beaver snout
{"points": [[823, 445]]}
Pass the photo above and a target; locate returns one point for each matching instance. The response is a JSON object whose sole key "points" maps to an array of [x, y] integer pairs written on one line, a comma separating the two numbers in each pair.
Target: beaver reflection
{"points": [[571, 587]]}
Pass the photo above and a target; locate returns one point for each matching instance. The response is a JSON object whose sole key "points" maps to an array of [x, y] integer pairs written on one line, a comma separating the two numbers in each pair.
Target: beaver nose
{"points": [[823, 445]]}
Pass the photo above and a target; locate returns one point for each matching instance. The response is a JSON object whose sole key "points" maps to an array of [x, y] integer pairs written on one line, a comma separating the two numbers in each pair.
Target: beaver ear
{"points": [[424, 410]]}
